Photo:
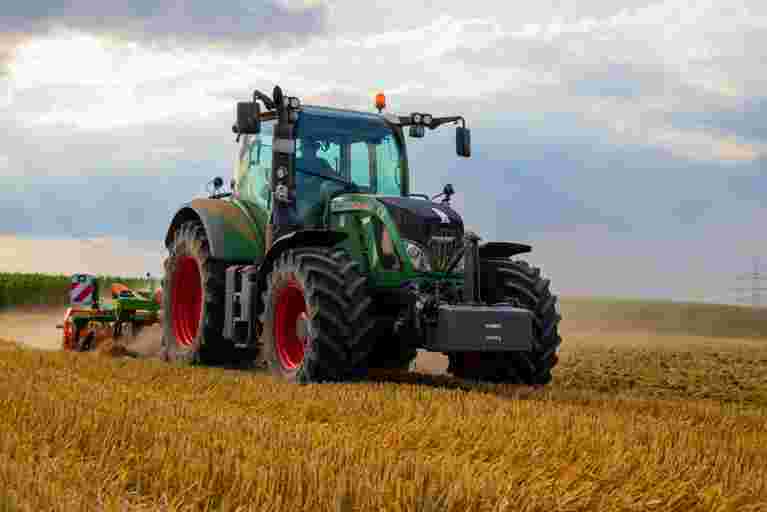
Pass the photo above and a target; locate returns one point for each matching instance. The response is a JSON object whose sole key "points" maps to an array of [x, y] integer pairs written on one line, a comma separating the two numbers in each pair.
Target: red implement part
{"points": [[68, 335], [118, 288], [71, 340]]}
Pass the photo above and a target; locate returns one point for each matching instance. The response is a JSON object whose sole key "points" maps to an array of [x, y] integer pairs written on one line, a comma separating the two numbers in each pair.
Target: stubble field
{"points": [[646, 413]]}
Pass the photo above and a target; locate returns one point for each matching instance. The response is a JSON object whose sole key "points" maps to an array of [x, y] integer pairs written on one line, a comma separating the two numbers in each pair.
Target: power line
{"points": [[756, 277]]}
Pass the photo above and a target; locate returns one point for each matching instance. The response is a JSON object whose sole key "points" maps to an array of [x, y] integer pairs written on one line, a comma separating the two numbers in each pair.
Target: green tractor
{"points": [[322, 264]]}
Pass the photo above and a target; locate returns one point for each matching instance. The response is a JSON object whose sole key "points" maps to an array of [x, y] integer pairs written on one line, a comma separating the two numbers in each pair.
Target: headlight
{"points": [[418, 256], [427, 119], [417, 118]]}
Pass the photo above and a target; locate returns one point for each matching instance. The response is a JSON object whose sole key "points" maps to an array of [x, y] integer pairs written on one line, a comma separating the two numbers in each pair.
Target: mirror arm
{"points": [[268, 103], [439, 121], [435, 123]]}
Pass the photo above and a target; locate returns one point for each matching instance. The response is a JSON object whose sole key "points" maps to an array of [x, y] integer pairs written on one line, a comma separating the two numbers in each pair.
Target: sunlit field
{"points": [[635, 420]]}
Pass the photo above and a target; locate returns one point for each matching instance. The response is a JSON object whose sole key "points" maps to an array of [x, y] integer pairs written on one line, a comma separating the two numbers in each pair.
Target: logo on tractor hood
{"points": [[443, 218]]}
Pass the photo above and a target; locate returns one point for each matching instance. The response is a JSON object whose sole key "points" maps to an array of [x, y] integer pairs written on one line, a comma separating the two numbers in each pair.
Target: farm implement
{"points": [[87, 321]]}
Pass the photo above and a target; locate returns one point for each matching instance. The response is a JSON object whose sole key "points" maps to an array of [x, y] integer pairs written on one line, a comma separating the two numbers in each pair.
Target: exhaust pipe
{"points": [[471, 293]]}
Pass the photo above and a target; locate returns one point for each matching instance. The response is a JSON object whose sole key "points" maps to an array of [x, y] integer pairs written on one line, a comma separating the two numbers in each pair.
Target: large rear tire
{"points": [[316, 325], [193, 303], [522, 285]]}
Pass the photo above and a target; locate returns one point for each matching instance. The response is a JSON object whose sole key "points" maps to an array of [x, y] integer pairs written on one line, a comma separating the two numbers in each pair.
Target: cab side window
{"points": [[257, 183], [361, 168]]}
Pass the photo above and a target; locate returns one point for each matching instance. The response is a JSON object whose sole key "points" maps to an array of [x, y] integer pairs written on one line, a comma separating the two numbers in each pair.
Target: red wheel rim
{"points": [[289, 309], [186, 303]]}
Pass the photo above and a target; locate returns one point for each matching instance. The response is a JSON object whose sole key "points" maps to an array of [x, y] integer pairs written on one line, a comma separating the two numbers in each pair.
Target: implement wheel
{"points": [[316, 323], [522, 285]]}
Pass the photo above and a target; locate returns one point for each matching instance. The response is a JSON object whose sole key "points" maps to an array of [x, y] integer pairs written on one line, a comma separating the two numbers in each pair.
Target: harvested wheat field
{"points": [[637, 419]]}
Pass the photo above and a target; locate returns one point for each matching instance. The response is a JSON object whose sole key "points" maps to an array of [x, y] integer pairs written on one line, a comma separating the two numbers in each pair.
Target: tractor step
{"points": [[469, 328], [241, 295]]}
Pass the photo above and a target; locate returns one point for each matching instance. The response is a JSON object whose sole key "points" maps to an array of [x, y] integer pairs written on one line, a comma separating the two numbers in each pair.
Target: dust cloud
{"points": [[35, 327], [148, 343]]}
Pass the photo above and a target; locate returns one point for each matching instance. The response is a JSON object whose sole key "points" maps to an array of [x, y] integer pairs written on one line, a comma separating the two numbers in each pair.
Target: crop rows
{"points": [[86, 432]]}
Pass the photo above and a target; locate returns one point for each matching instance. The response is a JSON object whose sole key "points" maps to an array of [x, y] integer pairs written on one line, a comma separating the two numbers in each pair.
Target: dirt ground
{"points": [[35, 327], [586, 335]]}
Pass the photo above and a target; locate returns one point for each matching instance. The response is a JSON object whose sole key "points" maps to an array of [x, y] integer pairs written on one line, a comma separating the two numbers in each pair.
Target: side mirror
{"points": [[248, 120], [417, 131], [463, 142]]}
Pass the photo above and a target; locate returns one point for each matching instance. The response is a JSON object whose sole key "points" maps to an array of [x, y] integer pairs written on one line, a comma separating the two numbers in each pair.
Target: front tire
{"points": [[522, 285], [316, 325]]}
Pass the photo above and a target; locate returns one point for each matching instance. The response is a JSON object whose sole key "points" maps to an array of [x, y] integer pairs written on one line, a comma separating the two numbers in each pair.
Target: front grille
{"points": [[443, 244]]}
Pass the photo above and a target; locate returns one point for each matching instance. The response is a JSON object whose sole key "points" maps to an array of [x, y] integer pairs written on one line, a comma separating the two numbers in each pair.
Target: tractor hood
{"points": [[419, 220], [434, 226]]}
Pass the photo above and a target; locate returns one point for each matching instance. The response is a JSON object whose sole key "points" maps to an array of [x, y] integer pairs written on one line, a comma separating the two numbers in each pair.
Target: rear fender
{"points": [[233, 235], [498, 250]]}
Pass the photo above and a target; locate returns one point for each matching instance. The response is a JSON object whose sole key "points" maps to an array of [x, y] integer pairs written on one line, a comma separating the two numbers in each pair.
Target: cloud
{"points": [[632, 70], [639, 120], [168, 24], [595, 261], [747, 119], [628, 68], [196, 21], [111, 255], [131, 206]]}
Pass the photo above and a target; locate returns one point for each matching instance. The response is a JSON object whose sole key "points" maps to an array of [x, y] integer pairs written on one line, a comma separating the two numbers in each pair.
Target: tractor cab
{"points": [[336, 152], [295, 160]]}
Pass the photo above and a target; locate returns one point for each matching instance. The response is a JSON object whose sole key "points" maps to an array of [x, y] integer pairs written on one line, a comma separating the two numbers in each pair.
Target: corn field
{"points": [[46, 289]]}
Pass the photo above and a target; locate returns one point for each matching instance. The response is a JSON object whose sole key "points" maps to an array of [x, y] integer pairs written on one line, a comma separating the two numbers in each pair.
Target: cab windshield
{"points": [[336, 146]]}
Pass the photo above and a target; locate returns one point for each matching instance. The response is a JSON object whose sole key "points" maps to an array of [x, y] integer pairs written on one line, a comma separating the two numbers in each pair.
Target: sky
{"points": [[625, 140]]}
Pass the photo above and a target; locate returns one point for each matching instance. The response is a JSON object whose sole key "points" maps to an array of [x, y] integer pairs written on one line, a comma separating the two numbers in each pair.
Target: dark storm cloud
{"points": [[83, 207], [196, 20], [164, 21]]}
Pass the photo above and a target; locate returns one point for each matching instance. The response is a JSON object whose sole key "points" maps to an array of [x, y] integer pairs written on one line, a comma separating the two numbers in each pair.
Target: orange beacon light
{"points": [[380, 101]]}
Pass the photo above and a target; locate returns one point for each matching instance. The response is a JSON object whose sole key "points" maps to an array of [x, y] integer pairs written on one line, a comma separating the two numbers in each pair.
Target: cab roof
{"points": [[342, 113]]}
